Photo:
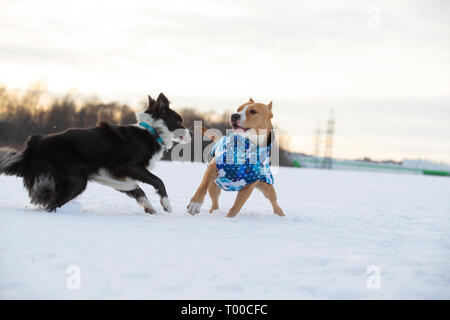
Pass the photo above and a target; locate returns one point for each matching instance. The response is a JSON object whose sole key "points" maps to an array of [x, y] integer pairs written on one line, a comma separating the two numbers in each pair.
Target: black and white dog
{"points": [[56, 168]]}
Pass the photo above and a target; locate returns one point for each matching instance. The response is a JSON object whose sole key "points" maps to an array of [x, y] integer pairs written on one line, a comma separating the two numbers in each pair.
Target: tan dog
{"points": [[253, 121]]}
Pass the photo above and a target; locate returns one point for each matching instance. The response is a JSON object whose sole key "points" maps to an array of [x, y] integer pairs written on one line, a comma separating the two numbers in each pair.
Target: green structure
{"points": [[296, 164], [436, 173]]}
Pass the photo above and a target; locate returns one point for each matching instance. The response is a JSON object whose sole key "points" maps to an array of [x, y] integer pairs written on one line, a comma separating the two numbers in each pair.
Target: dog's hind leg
{"points": [[269, 192], [67, 189], [139, 195], [208, 178], [42, 190], [214, 193]]}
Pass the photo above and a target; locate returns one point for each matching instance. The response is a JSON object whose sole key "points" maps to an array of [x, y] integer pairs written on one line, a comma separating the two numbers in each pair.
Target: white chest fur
{"points": [[154, 159]]}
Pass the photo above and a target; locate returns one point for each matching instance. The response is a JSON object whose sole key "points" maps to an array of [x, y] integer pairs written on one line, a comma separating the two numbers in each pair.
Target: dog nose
{"points": [[235, 117]]}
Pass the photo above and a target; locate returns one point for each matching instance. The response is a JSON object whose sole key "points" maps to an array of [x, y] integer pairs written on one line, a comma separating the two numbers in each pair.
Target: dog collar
{"points": [[154, 133]]}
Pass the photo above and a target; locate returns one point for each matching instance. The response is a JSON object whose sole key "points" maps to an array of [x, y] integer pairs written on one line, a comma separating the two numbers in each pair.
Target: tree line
{"points": [[23, 115]]}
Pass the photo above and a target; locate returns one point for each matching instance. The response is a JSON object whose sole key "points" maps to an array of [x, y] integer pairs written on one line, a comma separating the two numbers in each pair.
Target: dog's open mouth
{"points": [[238, 128]]}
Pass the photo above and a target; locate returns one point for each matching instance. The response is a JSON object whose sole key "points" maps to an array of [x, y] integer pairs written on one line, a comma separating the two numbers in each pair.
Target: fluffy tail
{"points": [[10, 161], [38, 179]]}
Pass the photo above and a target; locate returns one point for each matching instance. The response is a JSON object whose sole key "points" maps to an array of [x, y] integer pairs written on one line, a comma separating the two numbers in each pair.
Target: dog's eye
{"points": [[252, 111]]}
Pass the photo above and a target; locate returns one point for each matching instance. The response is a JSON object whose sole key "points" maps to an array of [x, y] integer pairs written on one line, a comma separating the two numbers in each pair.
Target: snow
{"points": [[339, 224]]}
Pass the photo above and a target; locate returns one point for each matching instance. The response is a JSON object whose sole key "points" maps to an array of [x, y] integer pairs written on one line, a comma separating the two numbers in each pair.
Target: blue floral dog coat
{"points": [[240, 162]]}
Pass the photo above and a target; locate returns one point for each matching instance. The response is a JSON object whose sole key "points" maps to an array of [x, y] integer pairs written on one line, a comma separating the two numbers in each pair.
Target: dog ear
{"points": [[162, 103], [151, 102], [251, 100], [270, 108]]}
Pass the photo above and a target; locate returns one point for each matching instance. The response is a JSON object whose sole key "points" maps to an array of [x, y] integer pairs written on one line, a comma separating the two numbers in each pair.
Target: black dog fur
{"points": [[56, 168]]}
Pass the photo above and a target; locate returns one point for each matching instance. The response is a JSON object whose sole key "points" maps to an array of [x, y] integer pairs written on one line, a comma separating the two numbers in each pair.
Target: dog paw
{"points": [[165, 203], [150, 210], [194, 207], [231, 214], [213, 208], [279, 212]]}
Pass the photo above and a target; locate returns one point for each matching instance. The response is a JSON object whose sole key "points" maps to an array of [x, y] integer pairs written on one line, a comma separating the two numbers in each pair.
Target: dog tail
{"points": [[206, 132], [37, 177], [11, 162]]}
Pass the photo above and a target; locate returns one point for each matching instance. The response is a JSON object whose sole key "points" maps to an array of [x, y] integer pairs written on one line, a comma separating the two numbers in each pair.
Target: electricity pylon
{"points": [[327, 159]]}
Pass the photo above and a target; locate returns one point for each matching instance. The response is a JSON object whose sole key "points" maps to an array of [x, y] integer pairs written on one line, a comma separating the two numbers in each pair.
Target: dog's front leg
{"points": [[197, 200], [146, 176], [241, 197], [139, 195]]}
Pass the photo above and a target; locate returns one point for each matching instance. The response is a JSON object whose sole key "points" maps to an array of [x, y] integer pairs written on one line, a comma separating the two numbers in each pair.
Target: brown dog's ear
{"points": [[270, 108], [251, 100]]}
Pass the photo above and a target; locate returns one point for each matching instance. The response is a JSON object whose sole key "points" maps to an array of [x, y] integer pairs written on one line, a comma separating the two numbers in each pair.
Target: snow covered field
{"points": [[338, 224]]}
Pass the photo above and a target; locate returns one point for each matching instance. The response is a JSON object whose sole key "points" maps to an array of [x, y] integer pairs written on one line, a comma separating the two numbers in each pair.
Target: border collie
{"points": [[56, 168]]}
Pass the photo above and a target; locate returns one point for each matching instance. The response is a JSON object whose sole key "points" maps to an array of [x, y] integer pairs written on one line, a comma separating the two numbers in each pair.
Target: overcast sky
{"points": [[382, 66]]}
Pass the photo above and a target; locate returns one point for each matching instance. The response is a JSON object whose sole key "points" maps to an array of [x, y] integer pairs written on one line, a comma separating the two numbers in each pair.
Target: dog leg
{"points": [[69, 189], [214, 193], [139, 195], [241, 197], [143, 175], [105, 177], [269, 192], [208, 178]]}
